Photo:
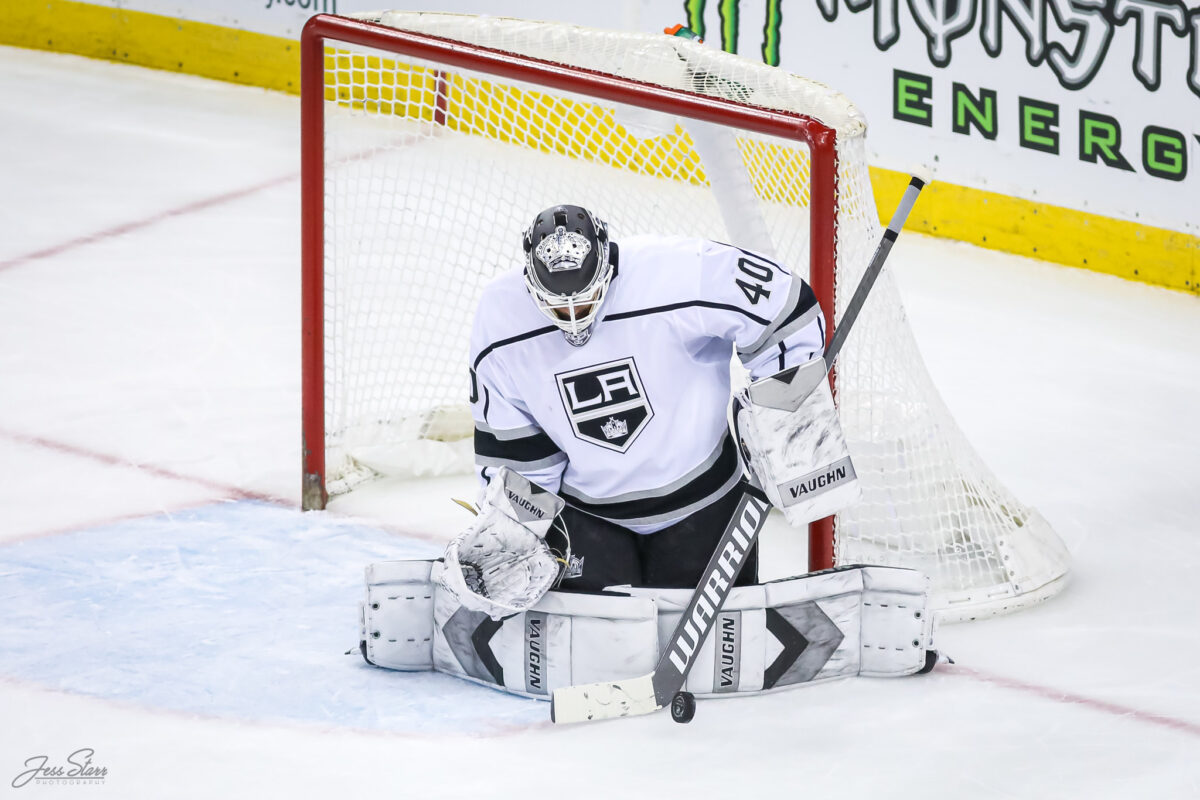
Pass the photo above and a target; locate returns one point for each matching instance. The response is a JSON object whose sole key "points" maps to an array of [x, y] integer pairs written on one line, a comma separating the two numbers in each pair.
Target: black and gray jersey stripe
{"points": [[708, 482], [525, 449]]}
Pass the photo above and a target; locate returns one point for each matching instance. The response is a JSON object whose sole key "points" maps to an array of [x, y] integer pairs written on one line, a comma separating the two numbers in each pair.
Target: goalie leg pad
{"points": [[565, 639], [897, 625], [397, 615], [870, 621]]}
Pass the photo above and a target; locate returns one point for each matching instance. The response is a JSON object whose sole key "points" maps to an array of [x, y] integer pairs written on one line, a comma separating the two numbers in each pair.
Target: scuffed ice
{"points": [[239, 609]]}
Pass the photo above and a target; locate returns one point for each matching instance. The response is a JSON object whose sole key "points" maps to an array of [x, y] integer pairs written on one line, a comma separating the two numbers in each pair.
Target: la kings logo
{"points": [[606, 403]]}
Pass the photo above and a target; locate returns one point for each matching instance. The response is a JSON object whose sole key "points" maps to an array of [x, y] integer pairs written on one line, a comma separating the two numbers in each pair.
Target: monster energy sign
{"points": [[1069, 39], [730, 16], [1100, 137], [1092, 23]]}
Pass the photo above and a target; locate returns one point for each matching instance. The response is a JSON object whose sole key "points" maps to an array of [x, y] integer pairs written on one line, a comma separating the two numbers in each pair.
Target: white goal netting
{"points": [[432, 172]]}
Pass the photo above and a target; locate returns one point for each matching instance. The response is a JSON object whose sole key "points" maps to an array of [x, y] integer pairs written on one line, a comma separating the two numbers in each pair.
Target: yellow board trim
{"points": [[1051, 233], [996, 221], [150, 40]]}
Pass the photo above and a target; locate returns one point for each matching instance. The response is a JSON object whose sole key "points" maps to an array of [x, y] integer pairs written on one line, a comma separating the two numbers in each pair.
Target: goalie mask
{"points": [[568, 268]]}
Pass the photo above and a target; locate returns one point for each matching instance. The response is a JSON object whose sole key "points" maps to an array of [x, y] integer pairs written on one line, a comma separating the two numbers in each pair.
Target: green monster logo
{"points": [[728, 11], [1100, 138]]}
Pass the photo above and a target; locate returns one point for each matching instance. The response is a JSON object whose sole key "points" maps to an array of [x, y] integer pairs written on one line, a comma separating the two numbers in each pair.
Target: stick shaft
{"points": [[873, 269], [709, 598]]}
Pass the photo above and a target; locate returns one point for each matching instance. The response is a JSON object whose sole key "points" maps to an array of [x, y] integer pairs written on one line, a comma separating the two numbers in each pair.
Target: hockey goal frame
{"points": [[820, 139]]}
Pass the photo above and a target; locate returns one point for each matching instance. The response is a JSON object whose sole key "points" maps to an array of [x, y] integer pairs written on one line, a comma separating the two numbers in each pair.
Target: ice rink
{"points": [[165, 605]]}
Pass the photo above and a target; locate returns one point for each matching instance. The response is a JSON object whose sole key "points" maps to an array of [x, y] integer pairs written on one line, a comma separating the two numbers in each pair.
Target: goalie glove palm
{"points": [[501, 565]]}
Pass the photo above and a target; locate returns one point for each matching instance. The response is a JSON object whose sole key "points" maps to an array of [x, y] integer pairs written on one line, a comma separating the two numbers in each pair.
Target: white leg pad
{"points": [[565, 639], [839, 623], [397, 615], [896, 624], [870, 621], [411, 622]]}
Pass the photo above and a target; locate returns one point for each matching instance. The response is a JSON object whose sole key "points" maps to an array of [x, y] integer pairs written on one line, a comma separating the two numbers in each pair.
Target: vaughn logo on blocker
{"points": [[606, 403]]}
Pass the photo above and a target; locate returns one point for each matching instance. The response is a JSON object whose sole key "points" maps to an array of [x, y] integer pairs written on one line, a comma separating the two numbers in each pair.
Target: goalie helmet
{"points": [[568, 267]]}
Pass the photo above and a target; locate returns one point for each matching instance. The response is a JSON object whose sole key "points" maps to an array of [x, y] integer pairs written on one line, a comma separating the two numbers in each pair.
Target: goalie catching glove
{"points": [[502, 565], [794, 445]]}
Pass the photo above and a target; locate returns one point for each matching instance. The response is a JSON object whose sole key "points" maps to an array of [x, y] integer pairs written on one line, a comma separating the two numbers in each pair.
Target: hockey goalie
{"points": [[609, 473]]}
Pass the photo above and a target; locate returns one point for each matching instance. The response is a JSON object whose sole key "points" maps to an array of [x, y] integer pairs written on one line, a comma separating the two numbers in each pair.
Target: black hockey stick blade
{"points": [[648, 693]]}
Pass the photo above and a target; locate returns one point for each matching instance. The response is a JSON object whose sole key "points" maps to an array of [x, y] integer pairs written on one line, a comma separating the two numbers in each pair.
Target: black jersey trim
{"points": [[522, 450], [751, 253], [520, 337], [713, 481], [686, 304], [804, 302]]}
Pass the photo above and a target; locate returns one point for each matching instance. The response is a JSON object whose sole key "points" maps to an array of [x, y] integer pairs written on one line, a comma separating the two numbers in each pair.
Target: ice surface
{"points": [[162, 602], [263, 591]]}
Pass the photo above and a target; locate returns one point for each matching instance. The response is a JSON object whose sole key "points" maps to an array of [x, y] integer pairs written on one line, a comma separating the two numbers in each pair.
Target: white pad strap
{"points": [[797, 450]]}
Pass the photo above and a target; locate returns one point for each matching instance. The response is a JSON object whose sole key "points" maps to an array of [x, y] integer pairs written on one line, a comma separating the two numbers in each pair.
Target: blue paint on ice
{"points": [[238, 609]]}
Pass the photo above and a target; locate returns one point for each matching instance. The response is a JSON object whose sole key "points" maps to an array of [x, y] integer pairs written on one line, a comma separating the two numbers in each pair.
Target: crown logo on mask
{"points": [[563, 250]]}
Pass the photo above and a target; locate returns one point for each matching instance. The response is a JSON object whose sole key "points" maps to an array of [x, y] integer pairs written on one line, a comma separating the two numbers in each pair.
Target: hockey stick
{"points": [[648, 693], [915, 185]]}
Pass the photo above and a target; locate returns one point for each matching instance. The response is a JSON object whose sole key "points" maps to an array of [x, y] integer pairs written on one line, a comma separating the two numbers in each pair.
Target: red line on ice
{"points": [[164, 511], [1070, 698], [223, 489], [159, 472], [128, 227], [199, 205]]}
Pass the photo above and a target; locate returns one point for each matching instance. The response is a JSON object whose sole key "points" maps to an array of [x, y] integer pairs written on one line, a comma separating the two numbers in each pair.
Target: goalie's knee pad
{"points": [[411, 622], [870, 621]]}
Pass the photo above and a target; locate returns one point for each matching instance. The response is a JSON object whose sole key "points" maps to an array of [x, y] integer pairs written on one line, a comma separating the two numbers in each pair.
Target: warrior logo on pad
{"points": [[606, 403]]}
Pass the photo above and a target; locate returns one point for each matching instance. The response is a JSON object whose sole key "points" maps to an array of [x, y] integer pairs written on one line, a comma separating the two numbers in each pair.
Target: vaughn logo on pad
{"points": [[606, 403], [817, 482]]}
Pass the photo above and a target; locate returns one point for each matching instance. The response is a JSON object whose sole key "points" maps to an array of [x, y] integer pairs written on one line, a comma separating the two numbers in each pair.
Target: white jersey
{"points": [[631, 426]]}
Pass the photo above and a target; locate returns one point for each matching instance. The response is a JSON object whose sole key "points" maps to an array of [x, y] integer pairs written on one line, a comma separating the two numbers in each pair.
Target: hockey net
{"points": [[430, 141]]}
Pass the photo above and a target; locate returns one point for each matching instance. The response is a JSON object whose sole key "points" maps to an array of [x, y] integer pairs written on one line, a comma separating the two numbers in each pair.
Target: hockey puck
{"points": [[683, 707]]}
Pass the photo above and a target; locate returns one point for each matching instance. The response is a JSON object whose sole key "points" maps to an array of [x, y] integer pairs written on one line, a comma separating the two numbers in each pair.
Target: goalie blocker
{"points": [[870, 621], [793, 443]]}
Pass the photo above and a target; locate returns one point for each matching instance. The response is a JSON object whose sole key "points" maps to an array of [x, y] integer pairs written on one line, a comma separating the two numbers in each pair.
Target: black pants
{"points": [[673, 558]]}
